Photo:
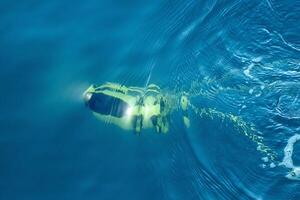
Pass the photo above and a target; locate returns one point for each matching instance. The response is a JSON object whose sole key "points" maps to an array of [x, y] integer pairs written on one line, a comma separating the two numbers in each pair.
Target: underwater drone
{"points": [[133, 108]]}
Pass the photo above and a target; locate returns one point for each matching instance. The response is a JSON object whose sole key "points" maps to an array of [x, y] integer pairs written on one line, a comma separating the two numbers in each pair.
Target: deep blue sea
{"points": [[238, 57]]}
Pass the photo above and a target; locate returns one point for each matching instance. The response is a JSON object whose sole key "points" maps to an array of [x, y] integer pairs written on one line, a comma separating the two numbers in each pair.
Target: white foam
{"points": [[287, 161], [248, 70], [257, 59]]}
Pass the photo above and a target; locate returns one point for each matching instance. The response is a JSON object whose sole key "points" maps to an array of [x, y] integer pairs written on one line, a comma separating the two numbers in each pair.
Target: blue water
{"points": [[239, 57]]}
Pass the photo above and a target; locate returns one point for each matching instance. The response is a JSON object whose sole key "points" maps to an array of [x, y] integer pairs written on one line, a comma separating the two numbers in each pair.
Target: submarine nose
{"points": [[87, 97]]}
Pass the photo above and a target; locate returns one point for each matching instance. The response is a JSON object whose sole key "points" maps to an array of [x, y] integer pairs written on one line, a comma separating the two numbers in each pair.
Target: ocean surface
{"points": [[240, 59]]}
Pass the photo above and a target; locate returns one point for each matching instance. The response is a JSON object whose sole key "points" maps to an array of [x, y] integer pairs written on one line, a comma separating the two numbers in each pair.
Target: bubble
{"points": [[265, 159], [272, 165]]}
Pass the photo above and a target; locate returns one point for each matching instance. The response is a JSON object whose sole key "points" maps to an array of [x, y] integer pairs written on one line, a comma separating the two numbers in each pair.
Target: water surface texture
{"points": [[238, 58]]}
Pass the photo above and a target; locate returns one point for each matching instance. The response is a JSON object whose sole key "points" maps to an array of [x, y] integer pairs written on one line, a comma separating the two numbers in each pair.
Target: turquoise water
{"points": [[237, 57]]}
